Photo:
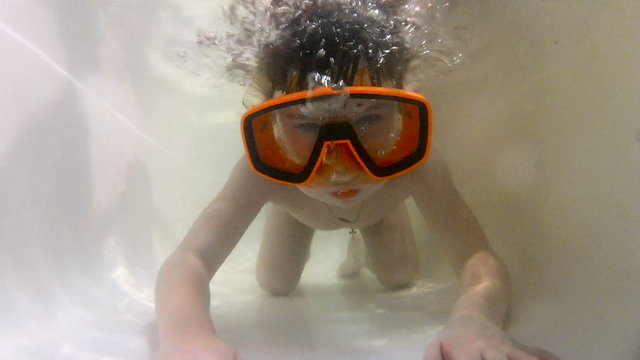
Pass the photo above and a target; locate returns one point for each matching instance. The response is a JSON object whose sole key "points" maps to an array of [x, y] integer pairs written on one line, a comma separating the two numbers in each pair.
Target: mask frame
{"points": [[272, 164]]}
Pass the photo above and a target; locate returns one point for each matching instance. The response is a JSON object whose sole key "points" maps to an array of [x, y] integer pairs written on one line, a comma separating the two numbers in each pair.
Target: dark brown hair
{"points": [[334, 40]]}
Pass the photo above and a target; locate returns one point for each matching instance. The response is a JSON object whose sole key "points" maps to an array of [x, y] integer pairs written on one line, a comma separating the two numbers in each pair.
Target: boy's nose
{"points": [[339, 164]]}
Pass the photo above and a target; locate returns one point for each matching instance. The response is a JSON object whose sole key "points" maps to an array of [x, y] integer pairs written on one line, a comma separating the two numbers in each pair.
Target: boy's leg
{"points": [[392, 253], [283, 251]]}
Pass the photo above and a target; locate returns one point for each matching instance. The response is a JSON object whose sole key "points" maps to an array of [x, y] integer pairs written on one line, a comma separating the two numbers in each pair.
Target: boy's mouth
{"points": [[345, 194]]}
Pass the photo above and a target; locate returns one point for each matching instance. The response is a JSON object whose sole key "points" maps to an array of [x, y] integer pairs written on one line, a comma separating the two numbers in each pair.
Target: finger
{"points": [[495, 357], [521, 355], [539, 353], [434, 352]]}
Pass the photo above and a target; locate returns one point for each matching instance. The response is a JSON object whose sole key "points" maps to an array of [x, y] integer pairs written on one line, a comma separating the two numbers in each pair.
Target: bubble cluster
{"points": [[420, 25]]}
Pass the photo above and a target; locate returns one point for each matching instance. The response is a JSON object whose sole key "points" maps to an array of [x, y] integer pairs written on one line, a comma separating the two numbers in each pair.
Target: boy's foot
{"points": [[355, 259]]}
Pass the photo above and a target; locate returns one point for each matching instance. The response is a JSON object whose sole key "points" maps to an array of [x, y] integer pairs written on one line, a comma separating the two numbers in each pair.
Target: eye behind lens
{"points": [[367, 120]]}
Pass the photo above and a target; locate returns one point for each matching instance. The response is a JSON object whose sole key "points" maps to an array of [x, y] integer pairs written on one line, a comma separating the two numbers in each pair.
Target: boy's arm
{"points": [[182, 289], [484, 280]]}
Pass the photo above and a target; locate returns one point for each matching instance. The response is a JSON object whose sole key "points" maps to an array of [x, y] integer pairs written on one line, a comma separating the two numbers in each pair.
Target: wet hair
{"points": [[329, 42]]}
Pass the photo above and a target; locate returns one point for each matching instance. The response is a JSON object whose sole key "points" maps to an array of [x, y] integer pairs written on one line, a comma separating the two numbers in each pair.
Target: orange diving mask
{"points": [[387, 130]]}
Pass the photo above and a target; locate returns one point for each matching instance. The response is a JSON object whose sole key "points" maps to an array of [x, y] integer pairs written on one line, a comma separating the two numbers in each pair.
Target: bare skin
{"points": [[474, 330]]}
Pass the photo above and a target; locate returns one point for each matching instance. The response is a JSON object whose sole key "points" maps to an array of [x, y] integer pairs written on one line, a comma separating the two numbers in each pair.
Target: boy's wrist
{"points": [[472, 317], [179, 334], [480, 308]]}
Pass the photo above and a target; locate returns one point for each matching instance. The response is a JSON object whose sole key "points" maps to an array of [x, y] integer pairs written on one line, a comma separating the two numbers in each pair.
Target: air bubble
{"points": [[257, 24], [207, 39]]}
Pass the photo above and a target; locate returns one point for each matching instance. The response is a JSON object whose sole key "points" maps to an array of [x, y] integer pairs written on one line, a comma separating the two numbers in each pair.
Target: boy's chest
{"points": [[320, 216]]}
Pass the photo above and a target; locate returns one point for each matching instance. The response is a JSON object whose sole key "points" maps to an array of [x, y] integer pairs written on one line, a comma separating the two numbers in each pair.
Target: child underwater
{"points": [[337, 143]]}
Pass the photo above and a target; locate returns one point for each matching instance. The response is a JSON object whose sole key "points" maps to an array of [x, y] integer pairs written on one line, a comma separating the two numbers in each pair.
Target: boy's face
{"points": [[340, 179]]}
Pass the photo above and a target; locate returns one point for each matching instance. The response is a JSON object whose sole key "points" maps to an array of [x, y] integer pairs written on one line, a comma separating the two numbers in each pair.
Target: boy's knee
{"points": [[399, 279], [276, 286]]}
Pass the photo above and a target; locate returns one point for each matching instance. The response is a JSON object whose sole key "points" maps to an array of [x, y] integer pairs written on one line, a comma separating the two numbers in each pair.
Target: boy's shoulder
{"points": [[247, 181], [429, 172], [248, 185]]}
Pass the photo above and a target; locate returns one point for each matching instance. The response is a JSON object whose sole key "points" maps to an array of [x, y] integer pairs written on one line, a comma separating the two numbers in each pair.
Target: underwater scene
{"points": [[123, 120]]}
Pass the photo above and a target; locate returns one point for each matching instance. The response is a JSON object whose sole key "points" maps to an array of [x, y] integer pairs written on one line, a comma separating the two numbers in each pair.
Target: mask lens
{"points": [[296, 130], [276, 145], [286, 136], [388, 129]]}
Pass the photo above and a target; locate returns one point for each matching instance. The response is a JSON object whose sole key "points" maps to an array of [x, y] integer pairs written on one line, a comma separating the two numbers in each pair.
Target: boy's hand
{"points": [[475, 339], [201, 348]]}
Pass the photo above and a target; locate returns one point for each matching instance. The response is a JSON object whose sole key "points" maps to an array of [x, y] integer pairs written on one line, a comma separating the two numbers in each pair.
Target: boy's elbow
{"points": [[485, 267], [183, 263]]}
